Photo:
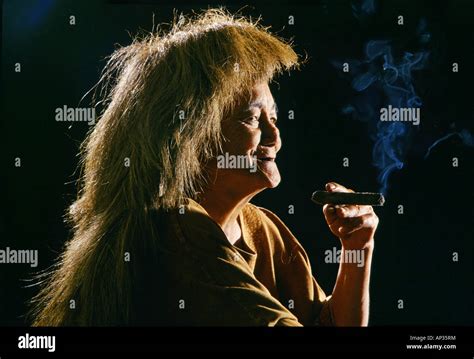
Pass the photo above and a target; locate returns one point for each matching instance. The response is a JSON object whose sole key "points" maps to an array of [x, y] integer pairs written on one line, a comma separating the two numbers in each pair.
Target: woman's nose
{"points": [[270, 134]]}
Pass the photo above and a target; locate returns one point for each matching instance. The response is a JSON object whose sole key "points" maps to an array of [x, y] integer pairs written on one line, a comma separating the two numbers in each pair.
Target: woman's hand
{"points": [[354, 225]]}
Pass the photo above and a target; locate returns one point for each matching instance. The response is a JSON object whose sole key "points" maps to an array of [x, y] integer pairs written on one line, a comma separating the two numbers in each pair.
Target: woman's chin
{"points": [[271, 180]]}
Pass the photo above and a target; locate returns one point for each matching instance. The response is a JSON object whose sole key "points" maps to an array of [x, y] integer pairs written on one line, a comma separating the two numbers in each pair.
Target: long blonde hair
{"points": [[165, 96]]}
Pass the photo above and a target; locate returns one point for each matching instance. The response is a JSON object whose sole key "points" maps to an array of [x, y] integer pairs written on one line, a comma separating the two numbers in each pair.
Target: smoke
{"points": [[464, 135], [379, 80], [383, 78], [364, 8]]}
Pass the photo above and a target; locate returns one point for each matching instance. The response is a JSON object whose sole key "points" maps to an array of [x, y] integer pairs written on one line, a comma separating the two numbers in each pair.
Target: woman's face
{"points": [[251, 133]]}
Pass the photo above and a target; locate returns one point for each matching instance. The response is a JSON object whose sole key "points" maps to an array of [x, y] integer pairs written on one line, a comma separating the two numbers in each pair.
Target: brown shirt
{"points": [[264, 279]]}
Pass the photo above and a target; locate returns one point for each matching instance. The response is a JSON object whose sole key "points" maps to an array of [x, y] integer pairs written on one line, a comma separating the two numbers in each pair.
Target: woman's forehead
{"points": [[259, 97]]}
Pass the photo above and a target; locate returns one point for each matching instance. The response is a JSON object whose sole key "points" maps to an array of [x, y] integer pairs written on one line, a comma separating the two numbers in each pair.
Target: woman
{"points": [[163, 235]]}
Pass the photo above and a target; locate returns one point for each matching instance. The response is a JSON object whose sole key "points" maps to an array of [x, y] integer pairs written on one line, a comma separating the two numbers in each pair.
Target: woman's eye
{"points": [[252, 121]]}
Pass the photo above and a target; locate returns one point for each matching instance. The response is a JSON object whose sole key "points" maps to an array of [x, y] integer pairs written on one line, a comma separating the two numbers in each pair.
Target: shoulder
{"points": [[267, 226], [265, 217]]}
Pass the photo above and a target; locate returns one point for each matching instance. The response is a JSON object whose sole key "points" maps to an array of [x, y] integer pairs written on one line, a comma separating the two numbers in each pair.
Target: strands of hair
{"points": [[199, 67]]}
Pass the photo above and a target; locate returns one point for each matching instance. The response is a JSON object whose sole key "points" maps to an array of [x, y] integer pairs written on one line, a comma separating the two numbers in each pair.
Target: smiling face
{"points": [[251, 131]]}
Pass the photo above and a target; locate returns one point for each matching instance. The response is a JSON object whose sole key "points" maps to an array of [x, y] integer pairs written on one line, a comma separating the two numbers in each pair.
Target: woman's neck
{"points": [[224, 208]]}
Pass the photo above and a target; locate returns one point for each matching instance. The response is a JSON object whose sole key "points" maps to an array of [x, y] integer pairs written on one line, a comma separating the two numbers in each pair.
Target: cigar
{"points": [[360, 198]]}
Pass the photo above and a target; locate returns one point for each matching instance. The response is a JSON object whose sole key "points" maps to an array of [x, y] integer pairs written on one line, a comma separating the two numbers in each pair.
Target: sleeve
{"points": [[215, 283], [296, 284]]}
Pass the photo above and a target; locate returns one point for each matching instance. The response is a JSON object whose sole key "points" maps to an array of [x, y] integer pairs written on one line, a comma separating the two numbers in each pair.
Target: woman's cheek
{"points": [[252, 138], [247, 140], [240, 138]]}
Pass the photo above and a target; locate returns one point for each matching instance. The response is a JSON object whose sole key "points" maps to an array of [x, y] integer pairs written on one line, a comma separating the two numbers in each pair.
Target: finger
{"points": [[339, 223], [329, 213], [336, 187], [358, 223], [349, 223], [349, 211]]}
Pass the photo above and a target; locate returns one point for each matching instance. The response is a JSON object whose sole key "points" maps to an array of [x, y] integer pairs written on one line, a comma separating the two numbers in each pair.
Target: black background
{"points": [[413, 253]]}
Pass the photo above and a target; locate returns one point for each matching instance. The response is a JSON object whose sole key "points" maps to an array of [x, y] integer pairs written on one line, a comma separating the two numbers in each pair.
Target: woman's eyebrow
{"points": [[259, 105]]}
